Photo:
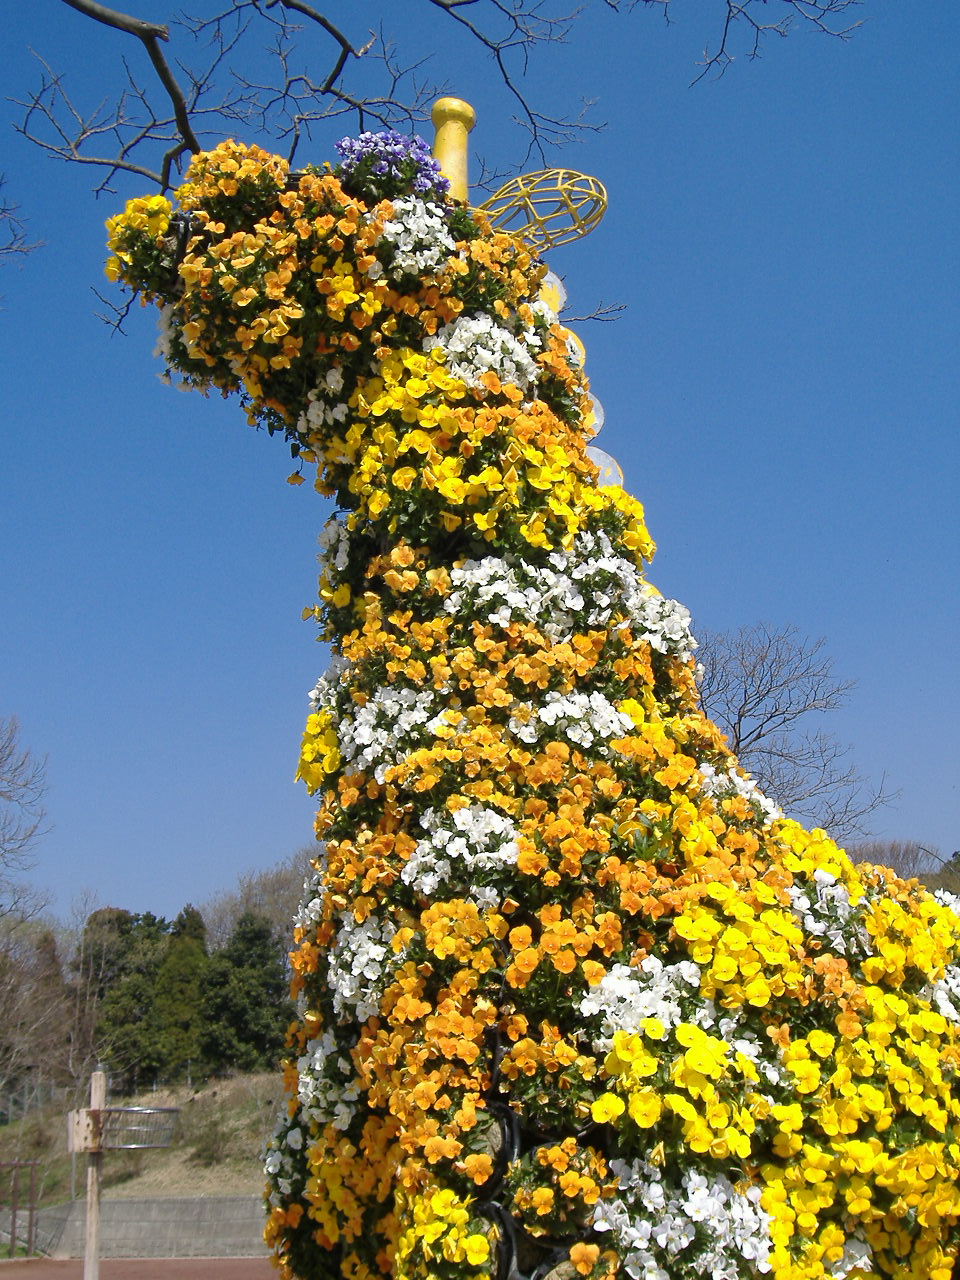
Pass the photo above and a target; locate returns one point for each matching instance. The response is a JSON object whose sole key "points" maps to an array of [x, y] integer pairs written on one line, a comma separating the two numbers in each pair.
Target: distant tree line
{"points": [[179, 1000], [167, 1008]]}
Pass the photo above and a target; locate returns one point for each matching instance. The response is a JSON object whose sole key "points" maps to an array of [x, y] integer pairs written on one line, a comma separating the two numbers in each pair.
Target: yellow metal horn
{"points": [[548, 208], [453, 119]]}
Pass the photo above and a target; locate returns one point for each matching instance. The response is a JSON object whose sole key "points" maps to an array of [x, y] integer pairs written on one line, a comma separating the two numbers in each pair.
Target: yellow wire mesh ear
{"points": [[547, 208]]}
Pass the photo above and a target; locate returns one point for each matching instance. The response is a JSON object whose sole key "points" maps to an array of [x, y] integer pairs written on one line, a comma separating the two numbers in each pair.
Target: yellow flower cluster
{"points": [[140, 227], [440, 1230], [707, 1086], [561, 964], [319, 754]]}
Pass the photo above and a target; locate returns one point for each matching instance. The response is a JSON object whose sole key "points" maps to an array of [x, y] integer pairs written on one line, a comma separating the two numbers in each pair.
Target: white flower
{"points": [[702, 1227], [587, 720], [857, 1255], [825, 910], [732, 782], [460, 847], [359, 964], [392, 722], [168, 329], [327, 1086], [628, 994], [419, 235], [945, 994], [475, 345], [587, 587], [335, 545]]}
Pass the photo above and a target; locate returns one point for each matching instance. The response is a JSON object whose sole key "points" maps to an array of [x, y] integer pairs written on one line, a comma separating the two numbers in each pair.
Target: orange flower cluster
{"points": [[569, 987]]}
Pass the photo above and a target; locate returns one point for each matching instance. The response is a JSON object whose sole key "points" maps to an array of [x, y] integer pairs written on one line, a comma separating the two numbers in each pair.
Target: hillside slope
{"points": [[216, 1152]]}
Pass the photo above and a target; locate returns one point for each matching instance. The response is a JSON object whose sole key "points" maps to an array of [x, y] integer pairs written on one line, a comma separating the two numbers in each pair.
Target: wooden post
{"points": [[14, 1206], [91, 1251], [32, 1218]]}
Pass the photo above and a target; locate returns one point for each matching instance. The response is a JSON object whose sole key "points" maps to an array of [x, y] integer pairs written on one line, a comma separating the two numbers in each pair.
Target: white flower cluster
{"points": [[310, 911], [359, 965], [167, 330], [704, 1227], [543, 312], [664, 623], [325, 407], [948, 899], [323, 695], [393, 722], [460, 847], [334, 545], [824, 908], [278, 1162], [945, 994], [420, 237], [627, 994], [475, 345], [585, 720], [857, 1256], [586, 587], [731, 783], [328, 1087], [283, 1157]]}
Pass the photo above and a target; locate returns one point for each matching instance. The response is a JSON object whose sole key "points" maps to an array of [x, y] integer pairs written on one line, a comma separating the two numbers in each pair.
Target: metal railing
{"points": [[17, 1177]]}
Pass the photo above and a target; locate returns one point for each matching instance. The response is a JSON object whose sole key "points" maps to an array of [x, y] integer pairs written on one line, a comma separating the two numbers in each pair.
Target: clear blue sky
{"points": [[782, 393]]}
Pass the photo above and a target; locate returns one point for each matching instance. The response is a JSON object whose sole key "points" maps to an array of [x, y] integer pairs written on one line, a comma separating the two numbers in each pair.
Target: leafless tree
{"points": [[33, 1004], [765, 687], [22, 816], [204, 74], [908, 858], [273, 893]]}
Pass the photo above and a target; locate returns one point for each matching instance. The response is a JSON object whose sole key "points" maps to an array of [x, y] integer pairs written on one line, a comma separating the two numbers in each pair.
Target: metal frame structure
{"points": [[15, 1169]]}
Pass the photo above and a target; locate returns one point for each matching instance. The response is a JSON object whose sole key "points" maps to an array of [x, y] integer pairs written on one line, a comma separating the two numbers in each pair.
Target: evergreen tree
{"points": [[132, 949], [178, 996], [246, 1009]]}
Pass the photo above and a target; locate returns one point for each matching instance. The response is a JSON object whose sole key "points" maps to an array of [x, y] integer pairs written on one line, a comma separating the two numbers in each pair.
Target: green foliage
{"points": [[178, 995], [130, 950], [246, 1008], [168, 1010]]}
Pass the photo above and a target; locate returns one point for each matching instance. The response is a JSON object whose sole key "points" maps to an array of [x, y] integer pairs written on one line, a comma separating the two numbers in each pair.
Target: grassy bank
{"points": [[216, 1151]]}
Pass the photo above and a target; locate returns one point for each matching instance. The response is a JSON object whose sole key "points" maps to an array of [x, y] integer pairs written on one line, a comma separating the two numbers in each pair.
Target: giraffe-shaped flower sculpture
{"points": [[573, 995]]}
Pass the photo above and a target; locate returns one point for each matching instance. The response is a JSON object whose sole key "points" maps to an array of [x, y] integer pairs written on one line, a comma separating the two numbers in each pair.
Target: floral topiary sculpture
{"points": [[573, 995]]}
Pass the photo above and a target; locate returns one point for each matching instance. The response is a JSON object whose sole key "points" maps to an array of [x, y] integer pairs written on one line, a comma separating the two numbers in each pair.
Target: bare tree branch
{"points": [[32, 1002], [908, 858], [149, 35], [212, 81], [115, 315], [604, 312], [22, 815], [763, 687], [819, 14], [53, 122], [13, 232]]}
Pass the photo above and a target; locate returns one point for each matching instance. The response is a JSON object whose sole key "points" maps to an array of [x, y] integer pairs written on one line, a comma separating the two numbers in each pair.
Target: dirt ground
{"points": [[142, 1269]]}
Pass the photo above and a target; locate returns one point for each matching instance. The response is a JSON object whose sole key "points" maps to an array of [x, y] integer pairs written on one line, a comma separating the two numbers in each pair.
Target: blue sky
{"points": [[781, 391]]}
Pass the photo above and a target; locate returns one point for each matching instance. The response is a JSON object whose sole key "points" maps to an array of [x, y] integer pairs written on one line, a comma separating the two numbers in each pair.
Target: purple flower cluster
{"points": [[387, 165]]}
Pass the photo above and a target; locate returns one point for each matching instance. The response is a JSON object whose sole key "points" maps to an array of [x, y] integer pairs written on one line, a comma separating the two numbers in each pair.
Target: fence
{"points": [[32, 1095], [18, 1196]]}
